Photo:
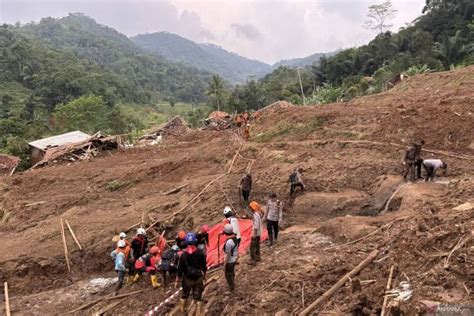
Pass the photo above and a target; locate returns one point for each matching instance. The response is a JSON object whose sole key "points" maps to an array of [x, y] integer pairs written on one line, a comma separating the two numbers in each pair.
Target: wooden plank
{"points": [[7, 300], [65, 245], [387, 288], [73, 235]]}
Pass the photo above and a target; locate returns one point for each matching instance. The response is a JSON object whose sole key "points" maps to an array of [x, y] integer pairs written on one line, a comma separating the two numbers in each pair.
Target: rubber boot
{"points": [[182, 305], [136, 277], [154, 281]]}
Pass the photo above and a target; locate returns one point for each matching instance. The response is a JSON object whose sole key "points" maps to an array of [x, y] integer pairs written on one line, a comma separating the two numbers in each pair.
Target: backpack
{"points": [[166, 260], [234, 239], [192, 272]]}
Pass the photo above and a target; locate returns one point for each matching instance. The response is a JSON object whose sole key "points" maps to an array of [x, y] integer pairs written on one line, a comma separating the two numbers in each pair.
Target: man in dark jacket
{"points": [[139, 247], [245, 186], [192, 272], [413, 161]]}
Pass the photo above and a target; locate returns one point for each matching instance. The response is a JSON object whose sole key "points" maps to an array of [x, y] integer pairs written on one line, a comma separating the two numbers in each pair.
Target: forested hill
{"points": [[304, 61], [144, 75], [230, 66]]}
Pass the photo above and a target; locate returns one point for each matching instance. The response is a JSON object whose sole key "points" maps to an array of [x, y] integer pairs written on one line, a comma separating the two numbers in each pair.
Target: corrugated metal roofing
{"points": [[59, 140]]}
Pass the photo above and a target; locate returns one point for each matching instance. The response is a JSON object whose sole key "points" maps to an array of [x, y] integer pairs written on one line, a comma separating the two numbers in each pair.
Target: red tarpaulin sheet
{"points": [[215, 252]]}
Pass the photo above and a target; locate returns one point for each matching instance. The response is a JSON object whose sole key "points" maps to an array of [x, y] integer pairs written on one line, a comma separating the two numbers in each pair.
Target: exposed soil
{"points": [[351, 159]]}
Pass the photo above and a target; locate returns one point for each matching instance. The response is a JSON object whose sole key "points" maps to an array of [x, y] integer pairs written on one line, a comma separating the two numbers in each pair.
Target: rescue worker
{"points": [[246, 132], [169, 264], [418, 159], [231, 250], [431, 166], [246, 117], [192, 273], [123, 236], [181, 240], [256, 232], [233, 221], [119, 256], [296, 181], [139, 244], [273, 215], [203, 239], [413, 161], [148, 263], [245, 186]]}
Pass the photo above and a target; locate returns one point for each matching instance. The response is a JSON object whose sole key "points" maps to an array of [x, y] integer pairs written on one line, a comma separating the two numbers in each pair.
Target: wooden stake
{"points": [[340, 283], [7, 299], [107, 308], [176, 190], [387, 288], [65, 246], [73, 235], [235, 157], [104, 299]]}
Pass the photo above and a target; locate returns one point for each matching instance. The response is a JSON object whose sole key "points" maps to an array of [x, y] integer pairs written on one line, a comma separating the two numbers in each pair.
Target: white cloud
{"points": [[268, 30]]}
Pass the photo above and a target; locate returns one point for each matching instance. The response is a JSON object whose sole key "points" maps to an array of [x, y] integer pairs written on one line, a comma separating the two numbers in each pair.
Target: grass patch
{"points": [[288, 129], [115, 185]]}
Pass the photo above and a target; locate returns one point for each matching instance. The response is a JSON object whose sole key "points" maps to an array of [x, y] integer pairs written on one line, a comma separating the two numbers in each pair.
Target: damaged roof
{"points": [[59, 140]]}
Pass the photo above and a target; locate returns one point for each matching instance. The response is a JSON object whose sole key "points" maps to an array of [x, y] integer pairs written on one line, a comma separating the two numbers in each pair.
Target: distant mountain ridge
{"points": [[209, 57], [303, 61]]}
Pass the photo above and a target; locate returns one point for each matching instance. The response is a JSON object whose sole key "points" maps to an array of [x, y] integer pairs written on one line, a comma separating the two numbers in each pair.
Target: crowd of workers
{"points": [[185, 260]]}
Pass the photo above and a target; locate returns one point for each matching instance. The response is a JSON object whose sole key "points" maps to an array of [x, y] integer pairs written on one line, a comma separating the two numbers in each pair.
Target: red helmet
{"points": [[182, 234], [154, 250], [205, 228]]}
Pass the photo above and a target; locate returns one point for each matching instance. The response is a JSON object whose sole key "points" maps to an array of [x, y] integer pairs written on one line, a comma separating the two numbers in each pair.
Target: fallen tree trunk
{"points": [[340, 283]]}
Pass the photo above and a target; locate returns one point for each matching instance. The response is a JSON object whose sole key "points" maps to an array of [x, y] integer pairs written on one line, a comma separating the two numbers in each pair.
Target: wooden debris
{"points": [[340, 283], [176, 190], [65, 245], [73, 235], [35, 203], [459, 244], [387, 288], [104, 299], [107, 308], [235, 157], [7, 300]]}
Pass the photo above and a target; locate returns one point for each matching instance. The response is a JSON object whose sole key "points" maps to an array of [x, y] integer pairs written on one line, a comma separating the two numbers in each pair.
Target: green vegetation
{"points": [[441, 39], [115, 185]]}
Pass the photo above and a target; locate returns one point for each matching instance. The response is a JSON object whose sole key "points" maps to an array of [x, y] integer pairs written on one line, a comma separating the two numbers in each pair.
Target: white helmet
{"points": [[121, 243], [228, 229], [122, 235], [227, 211], [141, 231]]}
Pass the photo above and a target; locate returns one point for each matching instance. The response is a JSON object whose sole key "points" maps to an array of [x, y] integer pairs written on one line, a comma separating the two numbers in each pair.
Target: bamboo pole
{"points": [[340, 283], [65, 245], [235, 157], [73, 235], [7, 300], [387, 288], [104, 299]]}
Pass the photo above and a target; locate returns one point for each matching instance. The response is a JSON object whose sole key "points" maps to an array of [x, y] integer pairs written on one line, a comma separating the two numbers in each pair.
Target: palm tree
{"points": [[215, 89]]}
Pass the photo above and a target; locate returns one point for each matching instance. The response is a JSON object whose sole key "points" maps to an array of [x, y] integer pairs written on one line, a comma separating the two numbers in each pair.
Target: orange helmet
{"points": [[254, 206], [182, 234]]}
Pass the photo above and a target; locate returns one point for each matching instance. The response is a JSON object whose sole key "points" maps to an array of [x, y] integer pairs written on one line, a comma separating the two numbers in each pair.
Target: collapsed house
{"points": [[79, 150], [218, 121], [8, 164], [175, 126]]}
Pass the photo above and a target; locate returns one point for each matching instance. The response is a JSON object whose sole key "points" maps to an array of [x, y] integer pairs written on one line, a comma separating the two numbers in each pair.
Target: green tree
{"points": [[215, 90]]}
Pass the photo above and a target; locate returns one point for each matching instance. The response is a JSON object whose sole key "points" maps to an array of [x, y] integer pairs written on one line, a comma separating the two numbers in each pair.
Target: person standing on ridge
{"points": [[245, 186], [296, 181], [120, 258], [231, 250], [192, 272], [256, 232], [273, 215]]}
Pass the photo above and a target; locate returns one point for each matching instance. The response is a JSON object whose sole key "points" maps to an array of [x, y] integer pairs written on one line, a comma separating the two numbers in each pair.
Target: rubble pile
{"points": [[80, 151], [175, 126], [8, 164], [218, 121]]}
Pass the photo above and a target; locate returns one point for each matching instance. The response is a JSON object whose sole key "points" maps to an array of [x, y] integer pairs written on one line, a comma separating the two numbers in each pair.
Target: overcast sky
{"points": [[267, 30]]}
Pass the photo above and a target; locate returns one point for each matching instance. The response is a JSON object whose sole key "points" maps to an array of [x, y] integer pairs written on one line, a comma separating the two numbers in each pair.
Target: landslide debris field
{"points": [[351, 157]]}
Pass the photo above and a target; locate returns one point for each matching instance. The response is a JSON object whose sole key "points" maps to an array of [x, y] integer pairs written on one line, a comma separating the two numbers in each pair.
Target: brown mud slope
{"points": [[350, 154]]}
